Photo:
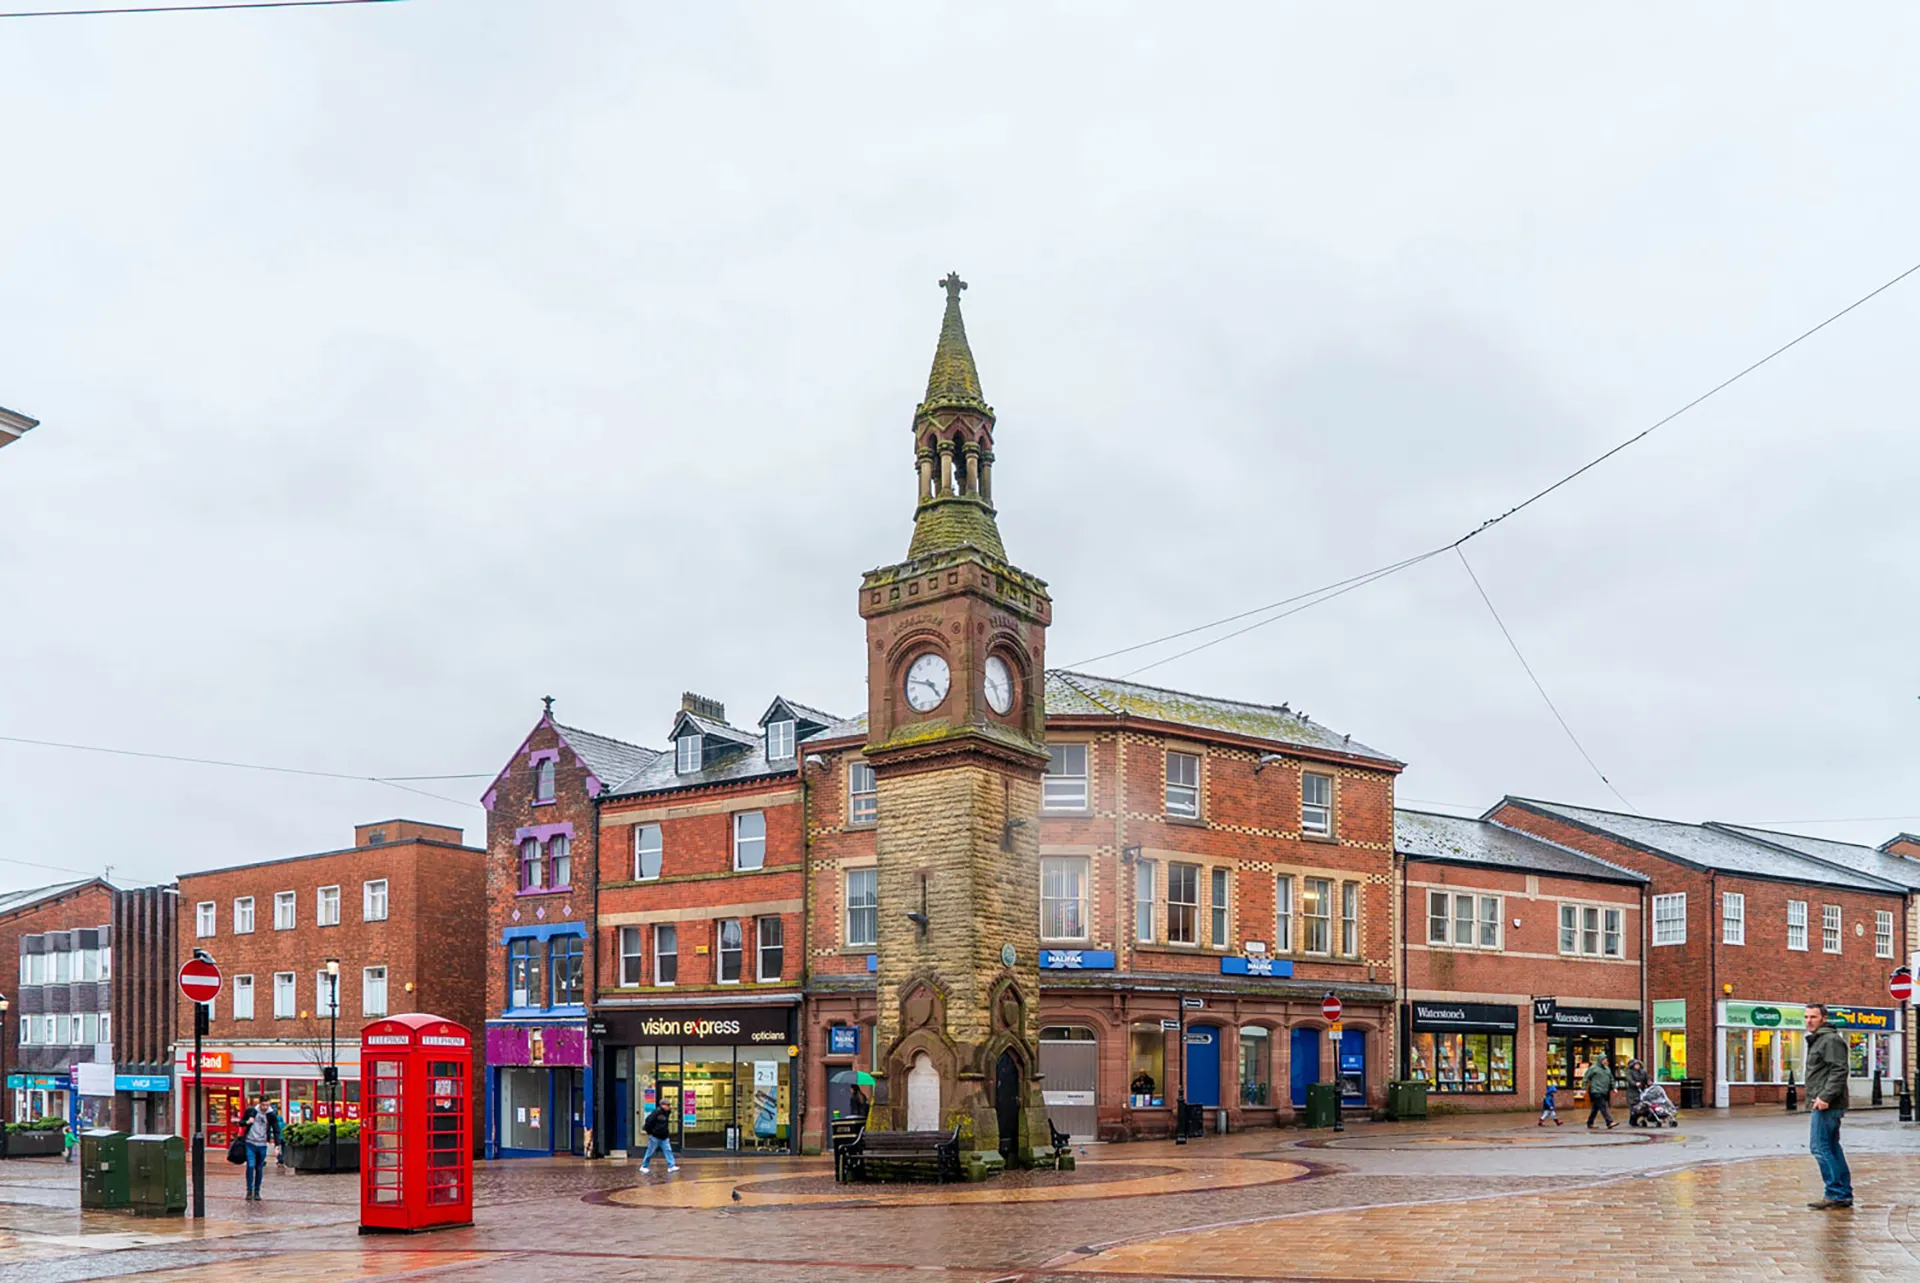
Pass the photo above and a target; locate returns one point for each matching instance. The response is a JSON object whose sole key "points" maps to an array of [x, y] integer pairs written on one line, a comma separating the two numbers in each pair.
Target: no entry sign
{"points": [[1330, 1007], [1900, 985], [199, 980]]}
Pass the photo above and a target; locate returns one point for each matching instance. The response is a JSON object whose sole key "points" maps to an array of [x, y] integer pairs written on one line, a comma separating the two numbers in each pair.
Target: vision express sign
{"points": [[699, 1027]]}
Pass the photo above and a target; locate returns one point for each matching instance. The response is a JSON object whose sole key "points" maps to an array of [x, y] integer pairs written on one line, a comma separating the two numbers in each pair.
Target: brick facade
{"points": [[78, 906]]}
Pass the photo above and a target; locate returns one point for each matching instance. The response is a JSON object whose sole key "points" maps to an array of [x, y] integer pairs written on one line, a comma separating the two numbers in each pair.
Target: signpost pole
{"points": [[1180, 1100], [199, 1118]]}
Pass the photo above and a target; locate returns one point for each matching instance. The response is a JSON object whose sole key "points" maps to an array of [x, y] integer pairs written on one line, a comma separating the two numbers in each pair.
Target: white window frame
{"points": [[1219, 907], [1440, 918], [243, 915], [290, 902], [720, 951], [1145, 876], [649, 839], [747, 845], [1283, 909], [326, 908], [1468, 914], [1350, 919], [206, 919], [1613, 933], [1797, 923], [1316, 817], [1669, 919], [286, 986], [666, 944], [780, 741], [373, 987], [1182, 795], [544, 774], [1064, 881], [375, 904], [1065, 786], [863, 794], [243, 997], [1323, 919], [1832, 930], [1883, 933], [868, 903], [629, 947], [761, 946], [1192, 906], [1733, 917], [686, 755]]}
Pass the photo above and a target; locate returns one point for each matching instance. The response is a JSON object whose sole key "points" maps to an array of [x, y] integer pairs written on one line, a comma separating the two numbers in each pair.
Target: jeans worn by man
{"points": [[1827, 1073]]}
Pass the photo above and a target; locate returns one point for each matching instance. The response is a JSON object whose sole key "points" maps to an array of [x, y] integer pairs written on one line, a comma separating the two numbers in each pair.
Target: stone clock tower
{"points": [[955, 655]]}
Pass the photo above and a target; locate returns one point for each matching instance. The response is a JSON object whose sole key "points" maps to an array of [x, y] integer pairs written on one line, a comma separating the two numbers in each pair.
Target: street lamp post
{"points": [[333, 1065], [4, 1116]]}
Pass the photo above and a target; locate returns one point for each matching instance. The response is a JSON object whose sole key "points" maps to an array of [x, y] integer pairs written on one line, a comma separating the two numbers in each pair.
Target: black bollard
{"points": [[1878, 1099], [1906, 1100], [1793, 1094]]}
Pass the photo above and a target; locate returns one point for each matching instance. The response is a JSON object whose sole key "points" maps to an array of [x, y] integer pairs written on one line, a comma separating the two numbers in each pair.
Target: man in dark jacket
{"points": [[259, 1127], [1827, 1073], [1598, 1080], [658, 1128]]}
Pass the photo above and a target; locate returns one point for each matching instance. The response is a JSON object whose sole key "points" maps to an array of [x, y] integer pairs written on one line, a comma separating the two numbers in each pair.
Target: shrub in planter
{"points": [[39, 1137], [317, 1133], [305, 1146]]}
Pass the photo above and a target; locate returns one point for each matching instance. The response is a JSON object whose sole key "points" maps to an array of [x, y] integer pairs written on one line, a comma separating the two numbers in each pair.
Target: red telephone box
{"points": [[416, 1148]]}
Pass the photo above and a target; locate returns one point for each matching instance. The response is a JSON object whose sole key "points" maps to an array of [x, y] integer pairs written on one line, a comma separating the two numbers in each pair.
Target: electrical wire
{"points": [[187, 8], [1532, 677], [1391, 568]]}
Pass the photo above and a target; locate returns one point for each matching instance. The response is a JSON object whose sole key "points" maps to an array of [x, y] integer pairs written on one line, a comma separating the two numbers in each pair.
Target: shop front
{"points": [[1462, 1048], [538, 1084], [290, 1076], [1577, 1036], [1758, 1048], [1874, 1040], [1669, 1040], [39, 1096], [725, 1074]]}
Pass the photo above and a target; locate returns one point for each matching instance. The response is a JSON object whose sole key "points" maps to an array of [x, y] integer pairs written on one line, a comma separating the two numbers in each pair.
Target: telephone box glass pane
{"points": [[385, 1176], [446, 1132]]}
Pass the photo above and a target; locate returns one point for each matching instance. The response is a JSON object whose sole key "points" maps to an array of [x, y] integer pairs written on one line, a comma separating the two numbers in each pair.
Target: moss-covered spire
{"points": [[953, 446]]}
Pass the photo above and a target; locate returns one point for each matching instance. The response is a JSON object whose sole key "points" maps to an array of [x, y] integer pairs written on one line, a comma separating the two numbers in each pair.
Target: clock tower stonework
{"points": [[956, 640]]}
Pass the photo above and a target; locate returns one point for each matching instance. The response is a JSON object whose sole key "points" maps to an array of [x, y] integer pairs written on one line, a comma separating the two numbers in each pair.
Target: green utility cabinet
{"points": [[1323, 1104], [103, 1169], [1406, 1100], [159, 1174]]}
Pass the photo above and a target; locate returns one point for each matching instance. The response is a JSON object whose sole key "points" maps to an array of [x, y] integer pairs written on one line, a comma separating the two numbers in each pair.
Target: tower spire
{"points": [[953, 446]]}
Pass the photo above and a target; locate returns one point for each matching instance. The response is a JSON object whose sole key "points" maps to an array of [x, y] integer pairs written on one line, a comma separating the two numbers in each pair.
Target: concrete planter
{"points": [[37, 1144], [313, 1158]]}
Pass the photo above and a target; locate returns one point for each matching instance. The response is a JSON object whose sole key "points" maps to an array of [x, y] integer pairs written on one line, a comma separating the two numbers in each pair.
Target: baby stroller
{"points": [[1653, 1109]]}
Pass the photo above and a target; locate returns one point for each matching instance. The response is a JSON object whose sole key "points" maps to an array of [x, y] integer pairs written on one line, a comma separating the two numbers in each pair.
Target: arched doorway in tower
{"points": [[923, 1095], [1006, 1102]]}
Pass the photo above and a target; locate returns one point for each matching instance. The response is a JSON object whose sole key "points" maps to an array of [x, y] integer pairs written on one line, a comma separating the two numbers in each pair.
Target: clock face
{"points": [[999, 685], [927, 682]]}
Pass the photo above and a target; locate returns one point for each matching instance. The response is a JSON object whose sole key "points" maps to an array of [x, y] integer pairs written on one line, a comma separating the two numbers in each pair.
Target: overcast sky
{"points": [[401, 364]]}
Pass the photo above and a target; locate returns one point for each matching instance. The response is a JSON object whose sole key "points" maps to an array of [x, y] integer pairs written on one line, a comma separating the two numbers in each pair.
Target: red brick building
{"points": [[1522, 962], [400, 912], [1742, 932], [54, 935]]}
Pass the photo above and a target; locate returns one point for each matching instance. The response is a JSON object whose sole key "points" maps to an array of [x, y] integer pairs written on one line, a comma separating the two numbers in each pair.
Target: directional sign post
{"points": [[200, 982]]}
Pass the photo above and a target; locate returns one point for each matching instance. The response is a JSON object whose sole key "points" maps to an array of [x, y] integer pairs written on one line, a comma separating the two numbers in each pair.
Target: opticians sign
{"points": [[1763, 1015]]}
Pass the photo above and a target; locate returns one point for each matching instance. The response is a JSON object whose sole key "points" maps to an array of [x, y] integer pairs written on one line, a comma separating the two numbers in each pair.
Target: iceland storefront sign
{"points": [[1278, 968], [1077, 960]]}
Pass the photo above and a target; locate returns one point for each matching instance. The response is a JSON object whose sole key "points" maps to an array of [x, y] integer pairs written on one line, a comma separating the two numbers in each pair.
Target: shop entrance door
{"points": [[225, 1104], [1304, 1063], [1070, 1067], [1203, 1065]]}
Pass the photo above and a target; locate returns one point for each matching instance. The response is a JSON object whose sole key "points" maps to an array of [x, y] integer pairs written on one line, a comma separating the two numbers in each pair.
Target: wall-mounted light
{"points": [[815, 762], [409, 986], [1726, 989], [1266, 760]]}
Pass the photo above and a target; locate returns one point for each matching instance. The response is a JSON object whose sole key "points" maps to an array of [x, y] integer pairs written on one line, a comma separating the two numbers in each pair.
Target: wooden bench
{"points": [[934, 1154]]}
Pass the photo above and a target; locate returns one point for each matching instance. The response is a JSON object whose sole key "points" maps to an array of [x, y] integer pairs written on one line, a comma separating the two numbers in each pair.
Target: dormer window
{"points": [[543, 780], [779, 741], [687, 754]]}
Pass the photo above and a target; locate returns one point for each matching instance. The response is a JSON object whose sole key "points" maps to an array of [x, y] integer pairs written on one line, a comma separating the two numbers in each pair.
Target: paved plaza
{"points": [[1452, 1199]]}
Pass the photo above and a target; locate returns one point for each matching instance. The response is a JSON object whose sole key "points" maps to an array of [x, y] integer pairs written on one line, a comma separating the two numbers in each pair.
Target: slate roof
{"points": [[1861, 859], [840, 728], [730, 754], [1071, 694], [12, 900], [1708, 848], [1901, 837], [609, 759], [1425, 835]]}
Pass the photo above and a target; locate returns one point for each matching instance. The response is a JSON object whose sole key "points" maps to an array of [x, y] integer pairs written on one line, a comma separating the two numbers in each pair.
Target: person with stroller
{"points": [[1598, 1080]]}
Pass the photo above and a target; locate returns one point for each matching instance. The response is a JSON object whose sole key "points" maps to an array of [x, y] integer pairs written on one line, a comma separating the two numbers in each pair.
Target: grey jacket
{"points": [[1827, 1067]]}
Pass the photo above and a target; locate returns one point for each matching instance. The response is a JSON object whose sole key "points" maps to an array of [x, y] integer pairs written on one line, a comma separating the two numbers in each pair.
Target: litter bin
{"points": [[1323, 1103], [103, 1168], [1193, 1123], [1693, 1093], [158, 1174]]}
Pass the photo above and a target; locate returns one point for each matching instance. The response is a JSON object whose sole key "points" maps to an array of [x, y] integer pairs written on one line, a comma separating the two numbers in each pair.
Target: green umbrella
{"points": [[858, 1076]]}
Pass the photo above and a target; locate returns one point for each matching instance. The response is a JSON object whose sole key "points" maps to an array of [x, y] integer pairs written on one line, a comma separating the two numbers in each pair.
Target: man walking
{"points": [[1599, 1084], [260, 1127], [658, 1128], [1827, 1102]]}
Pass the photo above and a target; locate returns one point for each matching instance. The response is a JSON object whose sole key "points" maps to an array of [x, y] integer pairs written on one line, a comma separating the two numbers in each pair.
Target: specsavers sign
{"points": [[1763, 1015]]}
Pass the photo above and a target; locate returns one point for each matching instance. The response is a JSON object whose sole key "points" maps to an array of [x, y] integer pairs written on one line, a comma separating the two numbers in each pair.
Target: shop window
{"points": [[326, 910], [1350, 920], [1063, 897], [1065, 785], [730, 948], [648, 847], [1670, 919], [526, 974], [628, 943], [1144, 872], [780, 741], [1793, 1053], [373, 991], [242, 919], [769, 934], [1217, 907], [285, 998], [1797, 925], [1283, 914], [1733, 918], [559, 862], [1183, 786], [1737, 1065], [543, 780], [205, 917], [1256, 1067], [1830, 928], [1146, 1066], [666, 954], [1763, 1055], [1883, 933], [1670, 1055], [243, 997], [1462, 1063], [566, 957], [284, 910], [373, 900], [1316, 907], [863, 907], [1183, 904], [749, 840], [1316, 804], [863, 794]]}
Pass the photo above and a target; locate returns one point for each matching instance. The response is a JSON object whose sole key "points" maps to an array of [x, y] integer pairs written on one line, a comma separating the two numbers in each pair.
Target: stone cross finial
{"points": [[548, 701], [953, 285]]}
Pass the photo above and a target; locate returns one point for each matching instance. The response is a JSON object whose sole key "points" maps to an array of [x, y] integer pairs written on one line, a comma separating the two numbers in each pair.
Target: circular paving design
{"points": [[1580, 1139]]}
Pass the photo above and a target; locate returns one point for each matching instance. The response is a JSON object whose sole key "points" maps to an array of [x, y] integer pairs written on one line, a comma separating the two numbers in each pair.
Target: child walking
{"points": [[1549, 1108]]}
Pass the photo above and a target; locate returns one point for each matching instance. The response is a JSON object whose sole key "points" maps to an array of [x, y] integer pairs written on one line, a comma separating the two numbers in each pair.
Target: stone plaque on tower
{"points": [[956, 640]]}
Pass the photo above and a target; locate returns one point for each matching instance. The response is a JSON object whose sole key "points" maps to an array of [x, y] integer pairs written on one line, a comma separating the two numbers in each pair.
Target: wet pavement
{"points": [[1489, 1198]]}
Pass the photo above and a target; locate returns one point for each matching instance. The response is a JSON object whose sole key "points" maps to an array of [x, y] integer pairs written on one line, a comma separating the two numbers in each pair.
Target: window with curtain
{"points": [[532, 868], [373, 991], [373, 900], [242, 917], [1283, 914], [559, 862], [1183, 904], [1063, 897], [1316, 906], [730, 950], [543, 780], [863, 907], [284, 910], [327, 906]]}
